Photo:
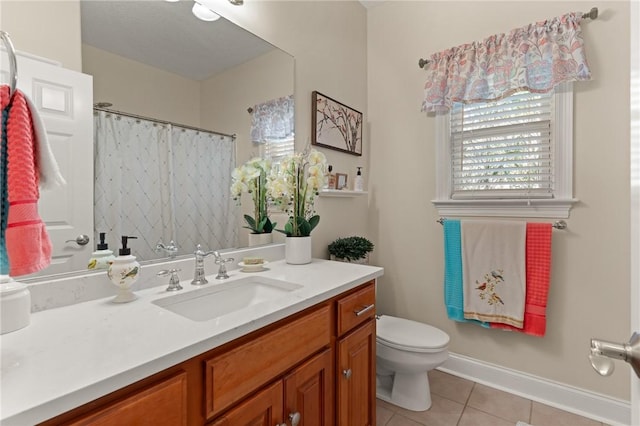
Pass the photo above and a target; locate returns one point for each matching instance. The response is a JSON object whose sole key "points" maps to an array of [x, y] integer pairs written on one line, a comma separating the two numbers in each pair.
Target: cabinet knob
{"points": [[346, 374], [294, 418]]}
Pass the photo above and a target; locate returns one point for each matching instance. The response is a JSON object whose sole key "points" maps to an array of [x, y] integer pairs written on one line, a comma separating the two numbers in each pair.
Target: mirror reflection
{"points": [[173, 120]]}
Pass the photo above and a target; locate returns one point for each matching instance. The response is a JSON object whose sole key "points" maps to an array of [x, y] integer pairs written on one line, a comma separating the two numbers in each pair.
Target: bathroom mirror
{"points": [[218, 70]]}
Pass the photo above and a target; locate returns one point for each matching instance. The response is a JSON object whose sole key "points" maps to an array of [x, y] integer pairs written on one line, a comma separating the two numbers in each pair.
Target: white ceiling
{"points": [[168, 36]]}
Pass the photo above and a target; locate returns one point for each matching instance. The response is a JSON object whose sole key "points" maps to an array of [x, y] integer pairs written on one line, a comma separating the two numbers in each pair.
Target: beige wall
{"points": [[137, 88], [589, 295], [226, 97], [53, 32]]}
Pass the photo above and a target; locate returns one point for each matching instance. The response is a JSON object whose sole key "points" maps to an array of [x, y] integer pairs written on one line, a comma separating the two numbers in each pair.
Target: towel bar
{"points": [[560, 224]]}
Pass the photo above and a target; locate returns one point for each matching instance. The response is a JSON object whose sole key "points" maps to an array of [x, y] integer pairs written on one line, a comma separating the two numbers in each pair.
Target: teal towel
{"points": [[4, 198], [453, 294]]}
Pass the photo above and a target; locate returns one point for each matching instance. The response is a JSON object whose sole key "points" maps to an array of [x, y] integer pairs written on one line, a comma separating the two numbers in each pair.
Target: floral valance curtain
{"points": [[536, 58], [273, 120]]}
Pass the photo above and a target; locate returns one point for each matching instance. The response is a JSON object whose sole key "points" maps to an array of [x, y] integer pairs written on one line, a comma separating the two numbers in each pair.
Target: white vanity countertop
{"points": [[72, 355]]}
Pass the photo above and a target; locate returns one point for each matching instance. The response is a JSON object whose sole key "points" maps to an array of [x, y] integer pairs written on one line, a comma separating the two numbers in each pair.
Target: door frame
{"points": [[634, 16]]}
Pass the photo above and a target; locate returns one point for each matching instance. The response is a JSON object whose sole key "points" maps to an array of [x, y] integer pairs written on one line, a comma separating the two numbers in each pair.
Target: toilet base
{"points": [[409, 391]]}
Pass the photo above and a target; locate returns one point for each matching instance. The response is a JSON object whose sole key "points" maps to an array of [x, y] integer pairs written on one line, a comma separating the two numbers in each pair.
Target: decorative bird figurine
{"points": [[92, 264]]}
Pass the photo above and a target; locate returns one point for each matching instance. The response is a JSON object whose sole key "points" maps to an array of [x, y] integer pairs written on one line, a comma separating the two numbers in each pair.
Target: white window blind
{"points": [[503, 149], [277, 149]]}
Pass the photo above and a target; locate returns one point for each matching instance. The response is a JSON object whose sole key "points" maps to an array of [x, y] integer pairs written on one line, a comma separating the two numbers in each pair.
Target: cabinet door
{"points": [[356, 377], [263, 409], [308, 392]]}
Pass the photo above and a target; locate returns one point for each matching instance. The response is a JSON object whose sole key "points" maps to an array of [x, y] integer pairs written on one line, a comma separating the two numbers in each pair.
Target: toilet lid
{"points": [[410, 335]]}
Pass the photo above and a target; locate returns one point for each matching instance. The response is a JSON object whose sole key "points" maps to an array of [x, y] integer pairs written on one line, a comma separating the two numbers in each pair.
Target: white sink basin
{"points": [[217, 300]]}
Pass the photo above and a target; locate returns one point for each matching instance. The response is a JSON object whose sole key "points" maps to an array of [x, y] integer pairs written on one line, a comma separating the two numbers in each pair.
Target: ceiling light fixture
{"points": [[204, 13], [236, 2]]}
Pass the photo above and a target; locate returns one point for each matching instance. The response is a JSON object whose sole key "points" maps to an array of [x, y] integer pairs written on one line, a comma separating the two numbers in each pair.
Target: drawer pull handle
{"points": [[346, 374], [294, 418], [364, 310]]}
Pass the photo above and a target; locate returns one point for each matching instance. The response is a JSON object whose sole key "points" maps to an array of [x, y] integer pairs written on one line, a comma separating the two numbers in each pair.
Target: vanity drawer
{"points": [[236, 373], [356, 308], [164, 403]]}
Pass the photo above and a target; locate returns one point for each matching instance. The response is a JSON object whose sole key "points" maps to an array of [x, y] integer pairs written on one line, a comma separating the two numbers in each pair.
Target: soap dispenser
{"points": [[358, 184], [331, 178], [102, 257], [124, 272]]}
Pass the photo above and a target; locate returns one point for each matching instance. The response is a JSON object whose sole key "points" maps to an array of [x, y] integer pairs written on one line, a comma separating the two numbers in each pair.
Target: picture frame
{"points": [[335, 125], [341, 181]]}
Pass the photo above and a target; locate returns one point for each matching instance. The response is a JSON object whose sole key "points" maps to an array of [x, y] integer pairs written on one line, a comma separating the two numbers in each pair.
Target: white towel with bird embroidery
{"points": [[494, 270]]}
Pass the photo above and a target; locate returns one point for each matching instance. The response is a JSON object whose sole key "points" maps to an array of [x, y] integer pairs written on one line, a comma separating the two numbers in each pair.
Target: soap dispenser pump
{"points": [[124, 272], [358, 184], [102, 257]]}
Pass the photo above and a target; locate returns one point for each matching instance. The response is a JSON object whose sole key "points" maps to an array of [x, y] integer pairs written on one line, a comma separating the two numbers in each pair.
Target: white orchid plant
{"points": [[294, 185], [251, 178]]}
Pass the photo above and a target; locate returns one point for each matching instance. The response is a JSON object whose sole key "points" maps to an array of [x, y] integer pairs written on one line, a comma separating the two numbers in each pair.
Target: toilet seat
{"points": [[410, 336]]}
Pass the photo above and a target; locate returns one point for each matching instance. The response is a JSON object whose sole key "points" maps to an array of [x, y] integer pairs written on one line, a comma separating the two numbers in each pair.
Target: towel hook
{"points": [[13, 66]]}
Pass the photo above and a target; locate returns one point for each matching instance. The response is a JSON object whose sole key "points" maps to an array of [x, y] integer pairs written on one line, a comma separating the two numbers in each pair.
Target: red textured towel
{"points": [[538, 260], [27, 241]]}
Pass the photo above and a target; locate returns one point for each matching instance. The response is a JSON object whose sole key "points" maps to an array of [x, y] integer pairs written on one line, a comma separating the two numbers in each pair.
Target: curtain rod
{"points": [[560, 224], [593, 14], [100, 106]]}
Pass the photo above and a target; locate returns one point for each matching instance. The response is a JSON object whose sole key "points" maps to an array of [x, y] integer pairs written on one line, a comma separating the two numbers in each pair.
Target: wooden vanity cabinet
{"points": [[356, 359], [304, 395], [317, 365]]}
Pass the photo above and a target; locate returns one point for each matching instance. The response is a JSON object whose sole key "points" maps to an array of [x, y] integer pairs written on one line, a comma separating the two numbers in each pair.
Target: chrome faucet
{"points": [[222, 270], [170, 249], [198, 276]]}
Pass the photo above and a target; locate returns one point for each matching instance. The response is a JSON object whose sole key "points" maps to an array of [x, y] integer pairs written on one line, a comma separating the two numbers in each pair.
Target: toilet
{"points": [[405, 351]]}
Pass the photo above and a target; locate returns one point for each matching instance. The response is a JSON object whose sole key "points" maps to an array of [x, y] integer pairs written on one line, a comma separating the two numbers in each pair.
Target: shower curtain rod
{"points": [[97, 107], [593, 14], [560, 224]]}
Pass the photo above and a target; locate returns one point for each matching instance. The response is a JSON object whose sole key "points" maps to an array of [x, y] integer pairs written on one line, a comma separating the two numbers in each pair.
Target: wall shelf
{"points": [[341, 193]]}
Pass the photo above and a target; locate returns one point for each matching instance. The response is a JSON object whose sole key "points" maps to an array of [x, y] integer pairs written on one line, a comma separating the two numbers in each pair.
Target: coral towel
{"points": [[27, 242], [538, 279], [494, 273]]}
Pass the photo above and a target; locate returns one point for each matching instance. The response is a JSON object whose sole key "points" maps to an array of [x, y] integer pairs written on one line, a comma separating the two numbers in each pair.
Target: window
{"points": [[277, 149], [511, 157]]}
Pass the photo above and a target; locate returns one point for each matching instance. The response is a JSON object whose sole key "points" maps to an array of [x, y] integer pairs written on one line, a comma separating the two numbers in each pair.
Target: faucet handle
{"points": [[171, 249], [200, 253], [174, 281], [221, 260]]}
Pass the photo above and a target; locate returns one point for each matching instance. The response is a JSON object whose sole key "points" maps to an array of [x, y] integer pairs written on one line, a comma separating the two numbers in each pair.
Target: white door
{"points": [[64, 99]]}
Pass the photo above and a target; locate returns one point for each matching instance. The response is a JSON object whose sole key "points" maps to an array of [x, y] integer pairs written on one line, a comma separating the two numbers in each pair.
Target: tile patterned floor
{"points": [[461, 402]]}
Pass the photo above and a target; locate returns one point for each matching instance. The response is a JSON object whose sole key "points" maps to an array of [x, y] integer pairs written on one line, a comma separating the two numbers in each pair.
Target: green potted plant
{"points": [[351, 249], [293, 186], [251, 178]]}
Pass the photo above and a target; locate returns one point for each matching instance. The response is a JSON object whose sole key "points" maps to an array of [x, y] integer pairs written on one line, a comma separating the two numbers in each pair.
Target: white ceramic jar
{"points": [[15, 305]]}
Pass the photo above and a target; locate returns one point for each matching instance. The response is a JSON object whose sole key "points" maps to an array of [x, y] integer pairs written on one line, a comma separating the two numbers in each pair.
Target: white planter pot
{"points": [[361, 261], [260, 239], [297, 250]]}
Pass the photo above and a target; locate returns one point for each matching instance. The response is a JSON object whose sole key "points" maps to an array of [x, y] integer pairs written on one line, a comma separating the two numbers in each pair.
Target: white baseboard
{"points": [[578, 401]]}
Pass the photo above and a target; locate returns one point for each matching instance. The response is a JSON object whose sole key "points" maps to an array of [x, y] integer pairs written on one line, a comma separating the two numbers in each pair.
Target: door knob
{"points": [[294, 418], [346, 374], [602, 353], [80, 240]]}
